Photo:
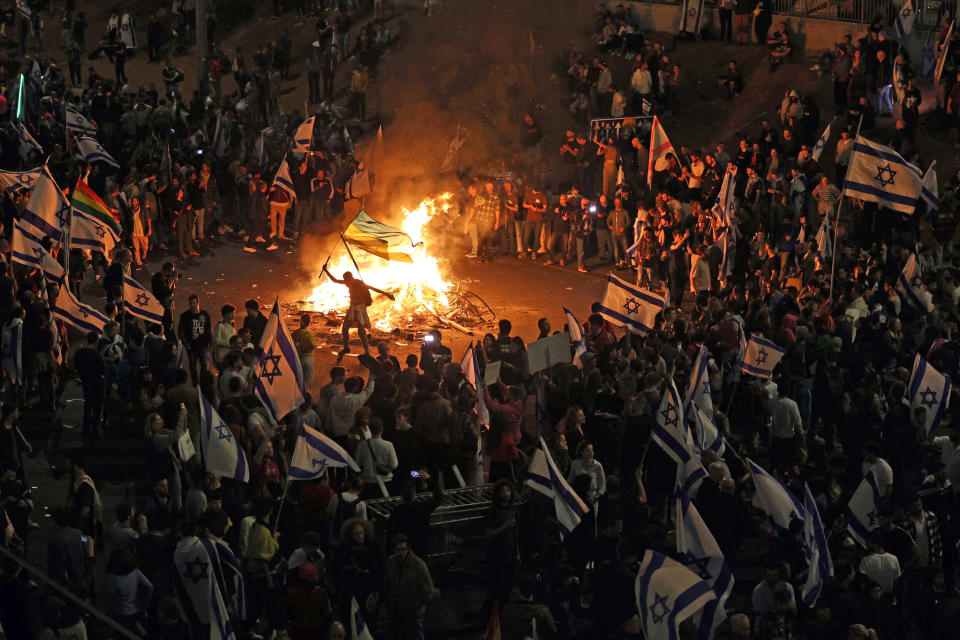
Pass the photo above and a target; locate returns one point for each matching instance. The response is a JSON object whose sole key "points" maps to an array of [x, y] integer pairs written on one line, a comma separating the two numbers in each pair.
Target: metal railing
{"points": [[930, 13]]}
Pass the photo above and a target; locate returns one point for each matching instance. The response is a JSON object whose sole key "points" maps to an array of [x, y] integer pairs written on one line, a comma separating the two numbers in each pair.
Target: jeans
{"points": [[94, 395], [531, 235], [619, 247], [199, 224], [604, 244], [579, 241], [184, 223], [884, 104], [518, 228]]}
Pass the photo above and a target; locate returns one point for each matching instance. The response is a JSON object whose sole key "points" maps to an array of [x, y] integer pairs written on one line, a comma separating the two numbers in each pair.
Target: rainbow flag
{"points": [[88, 204]]}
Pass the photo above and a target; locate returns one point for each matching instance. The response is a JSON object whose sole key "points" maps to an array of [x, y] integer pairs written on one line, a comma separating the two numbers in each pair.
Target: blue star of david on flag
{"points": [[888, 170], [762, 356], [100, 231], [142, 300], [273, 371], [223, 433], [631, 305], [669, 417], [63, 214], [928, 398], [319, 462], [916, 282], [660, 608], [700, 566]]}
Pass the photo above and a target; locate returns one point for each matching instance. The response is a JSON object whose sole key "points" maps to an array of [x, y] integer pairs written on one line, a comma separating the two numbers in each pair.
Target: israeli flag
{"points": [[667, 594], [824, 239], [92, 151], [575, 329], [822, 141], [691, 17], [725, 208], [704, 431], [229, 575], [314, 453], [670, 430], [761, 357], [261, 150], [929, 191], [303, 136], [283, 180], [906, 17], [781, 506], [879, 174], [861, 511], [474, 377], [25, 248], [358, 626], [48, 211], [816, 550], [698, 388], [625, 305], [77, 124], [20, 181], [279, 373], [544, 477], [222, 454], [92, 235], [728, 248], [698, 550], [27, 141], [75, 313], [929, 389], [690, 475], [910, 284], [218, 145], [195, 569], [140, 302]]}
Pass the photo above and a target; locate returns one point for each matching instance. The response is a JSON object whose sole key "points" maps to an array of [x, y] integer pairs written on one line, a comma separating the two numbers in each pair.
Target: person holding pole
{"points": [[356, 315]]}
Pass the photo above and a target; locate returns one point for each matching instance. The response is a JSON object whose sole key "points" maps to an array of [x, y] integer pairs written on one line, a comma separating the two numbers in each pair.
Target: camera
{"points": [[428, 339], [593, 209]]}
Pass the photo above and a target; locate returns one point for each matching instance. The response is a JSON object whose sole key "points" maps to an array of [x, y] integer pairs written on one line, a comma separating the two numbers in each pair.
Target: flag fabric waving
{"points": [[48, 211], [25, 248], [303, 136], [471, 371], [879, 174], [822, 141], [85, 203], [824, 239], [944, 52], [725, 208], [761, 357], [625, 305], [20, 181], [92, 151], [544, 477], [691, 16], [77, 124], [929, 190], [816, 550], [261, 152], [698, 550], [358, 626], [781, 506], [92, 236], [222, 454], [228, 573], [670, 430], [218, 143], [283, 180], [910, 284], [27, 141], [907, 17], [659, 147], [314, 453], [929, 389], [279, 372], [861, 511], [140, 302], [195, 569], [667, 594], [381, 240], [75, 313], [575, 330], [698, 388], [704, 432]]}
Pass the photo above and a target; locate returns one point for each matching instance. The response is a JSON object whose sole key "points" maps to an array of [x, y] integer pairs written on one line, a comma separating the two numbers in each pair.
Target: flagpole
{"points": [[836, 233], [349, 253], [283, 499]]}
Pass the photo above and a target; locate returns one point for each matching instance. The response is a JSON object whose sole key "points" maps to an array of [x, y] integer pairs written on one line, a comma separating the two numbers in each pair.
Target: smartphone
{"points": [[414, 474], [84, 539]]}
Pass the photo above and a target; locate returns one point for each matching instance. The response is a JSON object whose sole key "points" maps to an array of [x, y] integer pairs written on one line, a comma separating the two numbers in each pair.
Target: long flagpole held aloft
{"points": [[350, 253], [836, 227]]}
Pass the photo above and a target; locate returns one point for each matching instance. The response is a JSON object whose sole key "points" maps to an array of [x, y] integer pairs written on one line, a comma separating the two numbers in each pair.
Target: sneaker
{"points": [[533, 255], [194, 253], [548, 263], [471, 255], [519, 256], [259, 239], [272, 246], [562, 263], [245, 238], [582, 269], [250, 249], [541, 250]]}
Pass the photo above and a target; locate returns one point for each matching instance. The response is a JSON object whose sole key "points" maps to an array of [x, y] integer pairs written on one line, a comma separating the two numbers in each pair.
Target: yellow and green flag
{"points": [[380, 239], [88, 204]]}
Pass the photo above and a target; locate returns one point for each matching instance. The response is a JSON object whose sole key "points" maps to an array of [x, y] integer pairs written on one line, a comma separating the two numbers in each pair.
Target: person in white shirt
{"points": [[880, 566], [343, 407], [880, 467], [377, 459], [787, 426]]}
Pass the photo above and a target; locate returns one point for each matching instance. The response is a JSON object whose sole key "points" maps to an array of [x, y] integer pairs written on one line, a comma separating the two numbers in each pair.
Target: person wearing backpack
{"points": [[377, 459]]}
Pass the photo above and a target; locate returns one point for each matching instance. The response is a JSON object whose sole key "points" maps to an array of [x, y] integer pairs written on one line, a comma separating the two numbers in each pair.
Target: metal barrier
{"points": [[456, 531], [930, 13]]}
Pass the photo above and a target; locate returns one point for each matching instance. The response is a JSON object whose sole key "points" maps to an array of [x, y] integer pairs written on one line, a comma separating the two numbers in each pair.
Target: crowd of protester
{"points": [[837, 408]]}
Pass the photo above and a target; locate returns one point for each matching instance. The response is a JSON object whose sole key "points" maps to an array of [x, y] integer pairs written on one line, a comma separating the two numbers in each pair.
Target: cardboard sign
{"points": [[546, 352]]}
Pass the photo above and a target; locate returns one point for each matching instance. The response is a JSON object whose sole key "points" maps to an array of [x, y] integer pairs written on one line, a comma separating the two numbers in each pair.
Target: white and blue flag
{"points": [[670, 430], [75, 313], [195, 568], [575, 329], [667, 594], [229, 575], [303, 136], [728, 249], [879, 174], [261, 150], [690, 475], [781, 506], [692, 16], [91, 234], [358, 626], [48, 210], [20, 181], [625, 305], [816, 550], [824, 239], [77, 124], [725, 208], [929, 389], [929, 191], [544, 477], [474, 377], [222, 454], [907, 17], [698, 387], [218, 144], [861, 511], [761, 357], [279, 373], [910, 284], [92, 151], [822, 141], [140, 302], [704, 431], [27, 141], [25, 248], [283, 180], [698, 550], [314, 453]]}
